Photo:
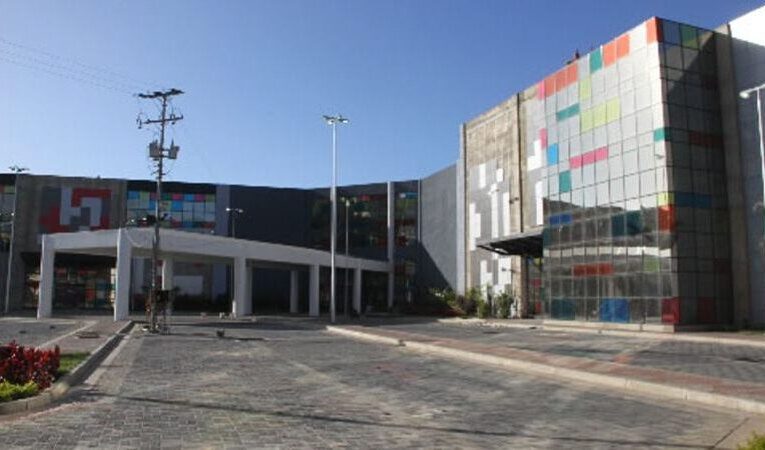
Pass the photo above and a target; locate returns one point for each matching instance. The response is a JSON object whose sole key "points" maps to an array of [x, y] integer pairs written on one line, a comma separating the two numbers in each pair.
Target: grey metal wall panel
{"points": [[438, 224]]}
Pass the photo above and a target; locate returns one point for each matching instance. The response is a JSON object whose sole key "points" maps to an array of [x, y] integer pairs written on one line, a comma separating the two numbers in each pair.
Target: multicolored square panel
{"points": [[626, 172], [190, 212]]}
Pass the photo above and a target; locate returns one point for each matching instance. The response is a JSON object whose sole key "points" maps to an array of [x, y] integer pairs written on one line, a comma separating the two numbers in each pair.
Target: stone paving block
{"points": [[303, 388]]}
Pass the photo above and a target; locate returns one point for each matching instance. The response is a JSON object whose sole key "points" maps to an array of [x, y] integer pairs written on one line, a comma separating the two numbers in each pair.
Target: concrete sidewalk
{"points": [[737, 338], [615, 373], [73, 334]]}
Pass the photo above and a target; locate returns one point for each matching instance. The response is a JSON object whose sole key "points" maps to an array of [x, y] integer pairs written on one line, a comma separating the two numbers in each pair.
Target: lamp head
{"points": [[331, 120], [744, 94]]}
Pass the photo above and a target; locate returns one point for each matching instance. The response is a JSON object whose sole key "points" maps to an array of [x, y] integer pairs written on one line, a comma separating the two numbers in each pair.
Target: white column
{"points": [[168, 271], [391, 243], [313, 291], [122, 281], [47, 258], [293, 291], [357, 290], [242, 305]]}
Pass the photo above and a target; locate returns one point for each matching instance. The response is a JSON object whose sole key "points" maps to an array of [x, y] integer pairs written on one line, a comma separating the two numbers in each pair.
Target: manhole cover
{"points": [[87, 335]]}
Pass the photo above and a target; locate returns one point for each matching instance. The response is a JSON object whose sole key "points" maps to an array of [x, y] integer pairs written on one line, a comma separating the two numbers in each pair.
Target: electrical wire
{"points": [[64, 75], [65, 69], [113, 75]]}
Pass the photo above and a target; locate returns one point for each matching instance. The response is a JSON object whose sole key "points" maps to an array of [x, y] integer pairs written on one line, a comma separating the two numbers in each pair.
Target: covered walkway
{"points": [[126, 243]]}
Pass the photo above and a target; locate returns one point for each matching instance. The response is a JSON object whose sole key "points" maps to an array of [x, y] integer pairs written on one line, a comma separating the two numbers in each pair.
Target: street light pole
{"points": [[236, 212], [345, 286], [745, 95], [333, 121]]}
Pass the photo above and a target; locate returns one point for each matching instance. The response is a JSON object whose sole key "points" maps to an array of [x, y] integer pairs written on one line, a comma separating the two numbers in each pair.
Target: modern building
{"points": [[376, 222], [623, 187]]}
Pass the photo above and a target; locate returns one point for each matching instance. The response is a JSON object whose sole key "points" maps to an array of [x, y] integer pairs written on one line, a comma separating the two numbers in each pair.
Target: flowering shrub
{"points": [[20, 365]]}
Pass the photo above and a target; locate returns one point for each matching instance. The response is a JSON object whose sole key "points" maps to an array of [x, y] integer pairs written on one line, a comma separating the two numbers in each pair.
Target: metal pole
{"points": [[762, 151], [345, 303], [11, 248], [333, 199], [333, 120]]}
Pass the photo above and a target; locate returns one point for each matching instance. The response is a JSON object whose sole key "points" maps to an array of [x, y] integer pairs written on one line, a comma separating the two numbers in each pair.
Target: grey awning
{"points": [[523, 244]]}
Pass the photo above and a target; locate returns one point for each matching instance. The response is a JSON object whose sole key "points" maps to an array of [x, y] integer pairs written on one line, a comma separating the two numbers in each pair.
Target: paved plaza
{"points": [[281, 383]]}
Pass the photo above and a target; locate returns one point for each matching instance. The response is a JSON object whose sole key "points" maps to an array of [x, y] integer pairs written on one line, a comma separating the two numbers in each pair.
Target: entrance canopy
{"points": [[523, 244], [126, 243]]}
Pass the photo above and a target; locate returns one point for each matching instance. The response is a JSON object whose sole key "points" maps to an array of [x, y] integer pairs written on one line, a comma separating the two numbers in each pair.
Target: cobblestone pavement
{"points": [[740, 363], [282, 384]]}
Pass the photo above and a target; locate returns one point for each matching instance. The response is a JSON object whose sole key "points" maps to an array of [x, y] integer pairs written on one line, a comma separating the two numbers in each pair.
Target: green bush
{"points": [[484, 309], [11, 391], [430, 302], [503, 303], [756, 442], [470, 301]]}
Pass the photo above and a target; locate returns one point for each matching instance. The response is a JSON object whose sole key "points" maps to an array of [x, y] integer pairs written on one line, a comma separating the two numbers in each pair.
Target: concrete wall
{"points": [[748, 50], [491, 152], [438, 224]]}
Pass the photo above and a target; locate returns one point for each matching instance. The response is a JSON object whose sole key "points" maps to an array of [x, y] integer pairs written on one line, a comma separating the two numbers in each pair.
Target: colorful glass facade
{"points": [[186, 211], [626, 173]]}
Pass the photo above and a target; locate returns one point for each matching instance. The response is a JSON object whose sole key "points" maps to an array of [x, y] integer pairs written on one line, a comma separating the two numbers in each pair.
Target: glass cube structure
{"points": [[625, 172]]}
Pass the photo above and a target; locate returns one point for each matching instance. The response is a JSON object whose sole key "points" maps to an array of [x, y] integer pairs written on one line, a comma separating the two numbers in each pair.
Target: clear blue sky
{"points": [[258, 75]]}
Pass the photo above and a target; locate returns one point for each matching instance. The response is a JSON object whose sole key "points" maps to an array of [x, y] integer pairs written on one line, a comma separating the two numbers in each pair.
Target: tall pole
{"points": [[333, 121], [345, 285], [233, 214], [11, 248], [158, 153], [333, 239], [762, 151], [157, 219], [745, 95]]}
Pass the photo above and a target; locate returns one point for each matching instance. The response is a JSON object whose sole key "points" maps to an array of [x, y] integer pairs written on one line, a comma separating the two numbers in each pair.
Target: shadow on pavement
{"points": [[363, 422]]}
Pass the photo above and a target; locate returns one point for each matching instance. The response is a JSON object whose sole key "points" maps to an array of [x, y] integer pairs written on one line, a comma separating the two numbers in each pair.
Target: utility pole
{"points": [[158, 153]]}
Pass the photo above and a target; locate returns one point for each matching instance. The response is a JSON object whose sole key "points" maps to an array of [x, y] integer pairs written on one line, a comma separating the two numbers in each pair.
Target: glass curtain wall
{"points": [[625, 171]]}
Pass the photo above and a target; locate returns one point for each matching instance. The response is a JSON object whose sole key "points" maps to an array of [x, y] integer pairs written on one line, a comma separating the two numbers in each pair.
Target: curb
{"points": [[628, 385], [60, 388], [677, 336], [366, 336]]}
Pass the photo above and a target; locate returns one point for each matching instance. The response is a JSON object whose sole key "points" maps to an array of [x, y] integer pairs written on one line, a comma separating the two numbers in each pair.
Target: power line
{"points": [[65, 69], [88, 67], [64, 75]]}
